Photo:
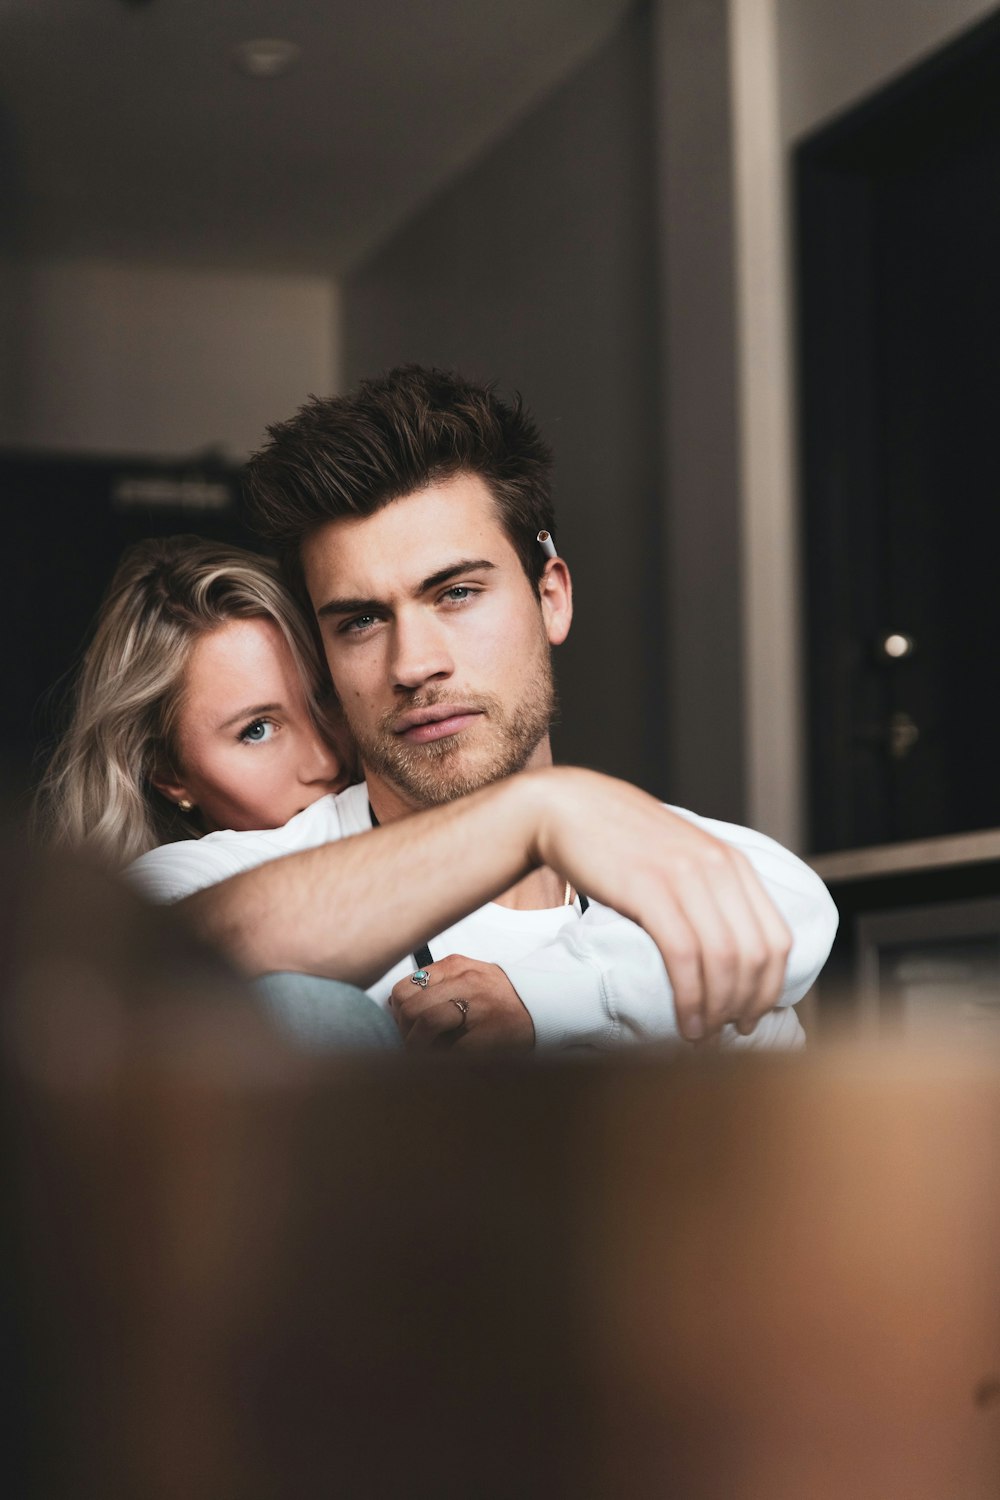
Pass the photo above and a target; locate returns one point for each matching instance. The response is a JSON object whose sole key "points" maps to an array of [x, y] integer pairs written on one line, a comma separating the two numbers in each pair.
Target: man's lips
{"points": [[421, 725]]}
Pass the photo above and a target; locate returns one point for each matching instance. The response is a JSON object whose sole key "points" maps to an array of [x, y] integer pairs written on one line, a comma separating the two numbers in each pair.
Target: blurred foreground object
{"points": [[243, 1271]]}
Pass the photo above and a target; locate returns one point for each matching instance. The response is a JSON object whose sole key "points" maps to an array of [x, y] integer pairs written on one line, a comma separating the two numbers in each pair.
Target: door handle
{"points": [[897, 738]]}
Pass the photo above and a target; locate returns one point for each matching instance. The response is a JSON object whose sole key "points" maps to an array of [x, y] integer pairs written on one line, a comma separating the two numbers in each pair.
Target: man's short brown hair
{"points": [[351, 455]]}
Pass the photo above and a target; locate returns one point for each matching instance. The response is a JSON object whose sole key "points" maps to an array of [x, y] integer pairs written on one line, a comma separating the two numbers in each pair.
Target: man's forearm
{"points": [[351, 909]]}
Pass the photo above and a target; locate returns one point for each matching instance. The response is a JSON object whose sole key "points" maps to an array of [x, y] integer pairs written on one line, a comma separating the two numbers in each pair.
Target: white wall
{"points": [[113, 358], [772, 655]]}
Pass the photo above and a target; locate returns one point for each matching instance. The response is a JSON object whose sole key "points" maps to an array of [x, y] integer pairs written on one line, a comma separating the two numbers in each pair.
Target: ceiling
{"points": [[128, 131]]}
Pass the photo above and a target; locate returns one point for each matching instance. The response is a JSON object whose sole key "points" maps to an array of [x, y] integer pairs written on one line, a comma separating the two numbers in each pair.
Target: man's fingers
{"points": [[733, 948], [738, 960], [724, 946], [777, 942], [680, 946]]}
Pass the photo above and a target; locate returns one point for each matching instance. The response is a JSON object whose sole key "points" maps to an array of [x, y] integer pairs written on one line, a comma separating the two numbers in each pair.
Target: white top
{"points": [[594, 980]]}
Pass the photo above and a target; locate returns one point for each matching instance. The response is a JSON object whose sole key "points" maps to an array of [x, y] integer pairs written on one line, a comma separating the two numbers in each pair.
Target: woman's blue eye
{"points": [[257, 733]]}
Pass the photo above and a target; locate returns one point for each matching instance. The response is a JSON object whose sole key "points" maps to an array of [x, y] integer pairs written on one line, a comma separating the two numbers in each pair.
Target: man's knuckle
{"points": [[715, 858], [685, 953], [725, 956], [757, 956]]}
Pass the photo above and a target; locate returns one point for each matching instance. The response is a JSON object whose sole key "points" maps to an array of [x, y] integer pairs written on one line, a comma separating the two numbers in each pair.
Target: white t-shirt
{"points": [[591, 980]]}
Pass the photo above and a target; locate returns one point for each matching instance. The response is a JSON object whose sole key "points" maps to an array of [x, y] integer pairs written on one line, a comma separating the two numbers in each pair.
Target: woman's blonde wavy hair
{"points": [[98, 790]]}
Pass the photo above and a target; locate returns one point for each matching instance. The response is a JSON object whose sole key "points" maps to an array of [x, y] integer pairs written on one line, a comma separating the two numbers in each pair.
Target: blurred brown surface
{"points": [[243, 1271]]}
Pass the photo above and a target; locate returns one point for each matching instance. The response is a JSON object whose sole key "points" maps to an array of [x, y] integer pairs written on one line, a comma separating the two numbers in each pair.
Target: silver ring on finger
{"points": [[420, 977], [463, 1006]]}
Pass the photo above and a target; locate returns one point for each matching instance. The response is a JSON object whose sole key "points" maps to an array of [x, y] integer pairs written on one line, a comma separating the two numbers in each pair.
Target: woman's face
{"points": [[249, 754]]}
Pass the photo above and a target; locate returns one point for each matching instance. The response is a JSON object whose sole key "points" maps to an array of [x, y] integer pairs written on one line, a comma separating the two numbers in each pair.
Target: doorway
{"points": [[898, 218]]}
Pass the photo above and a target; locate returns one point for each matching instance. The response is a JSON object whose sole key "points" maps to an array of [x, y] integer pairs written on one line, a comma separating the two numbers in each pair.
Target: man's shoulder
{"points": [[764, 852], [174, 871]]}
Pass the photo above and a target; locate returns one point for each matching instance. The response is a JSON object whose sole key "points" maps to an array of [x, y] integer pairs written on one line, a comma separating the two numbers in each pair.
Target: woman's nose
{"points": [[320, 762]]}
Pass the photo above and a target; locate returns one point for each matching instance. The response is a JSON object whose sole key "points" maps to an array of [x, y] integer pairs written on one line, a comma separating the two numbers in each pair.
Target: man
{"points": [[408, 517]]}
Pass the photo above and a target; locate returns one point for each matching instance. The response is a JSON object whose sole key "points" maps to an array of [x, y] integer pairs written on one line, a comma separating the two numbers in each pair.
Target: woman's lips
{"points": [[438, 729]]}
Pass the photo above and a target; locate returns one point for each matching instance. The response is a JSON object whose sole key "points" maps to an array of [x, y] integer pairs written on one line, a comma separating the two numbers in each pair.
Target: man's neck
{"points": [[539, 889], [387, 803]]}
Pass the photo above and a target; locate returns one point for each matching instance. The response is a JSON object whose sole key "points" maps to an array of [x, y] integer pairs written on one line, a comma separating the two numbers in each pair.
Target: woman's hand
{"points": [[464, 1004]]}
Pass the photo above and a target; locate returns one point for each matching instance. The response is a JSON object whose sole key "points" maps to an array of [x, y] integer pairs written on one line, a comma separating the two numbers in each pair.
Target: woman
{"points": [[201, 704]]}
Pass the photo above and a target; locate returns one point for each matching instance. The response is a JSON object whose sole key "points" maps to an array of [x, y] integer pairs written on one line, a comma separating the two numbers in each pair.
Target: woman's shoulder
{"points": [[173, 871]]}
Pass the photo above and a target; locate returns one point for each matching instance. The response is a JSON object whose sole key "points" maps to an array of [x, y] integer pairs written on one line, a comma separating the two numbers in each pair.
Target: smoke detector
{"points": [[266, 57]]}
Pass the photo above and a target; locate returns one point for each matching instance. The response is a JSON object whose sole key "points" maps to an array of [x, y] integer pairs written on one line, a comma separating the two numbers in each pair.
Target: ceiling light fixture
{"points": [[266, 57]]}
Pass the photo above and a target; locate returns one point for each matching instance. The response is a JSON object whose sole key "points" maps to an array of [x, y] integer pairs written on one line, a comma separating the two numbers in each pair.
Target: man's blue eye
{"points": [[360, 622], [459, 592]]}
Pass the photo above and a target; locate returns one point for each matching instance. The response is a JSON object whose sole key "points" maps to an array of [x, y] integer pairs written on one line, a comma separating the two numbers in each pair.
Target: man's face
{"points": [[437, 642]]}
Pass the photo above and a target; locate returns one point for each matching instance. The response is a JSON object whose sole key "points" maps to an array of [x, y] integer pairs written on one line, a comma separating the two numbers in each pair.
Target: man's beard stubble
{"points": [[439, 771]]}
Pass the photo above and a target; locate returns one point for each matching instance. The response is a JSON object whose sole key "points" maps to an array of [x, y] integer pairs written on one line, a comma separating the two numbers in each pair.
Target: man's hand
{"points": [[493, 1016], [723, 942]]}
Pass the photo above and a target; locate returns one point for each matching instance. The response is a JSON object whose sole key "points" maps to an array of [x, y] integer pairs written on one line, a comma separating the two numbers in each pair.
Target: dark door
{"points": [[66, 521], [899, 263]]}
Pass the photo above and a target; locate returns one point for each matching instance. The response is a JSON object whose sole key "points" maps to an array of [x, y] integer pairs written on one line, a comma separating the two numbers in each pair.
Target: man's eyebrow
{"points": [[467, 565], [349, 607], [434, 581], [253, 712]]}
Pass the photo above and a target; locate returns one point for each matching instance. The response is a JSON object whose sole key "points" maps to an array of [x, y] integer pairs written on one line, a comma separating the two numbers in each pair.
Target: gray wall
{"points": [[704, 541], [832, 55], [539, 268], [115, 357]]}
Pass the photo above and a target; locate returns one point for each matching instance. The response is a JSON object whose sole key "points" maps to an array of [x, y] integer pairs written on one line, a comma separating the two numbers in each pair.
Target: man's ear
{"points": [[555, 593]]}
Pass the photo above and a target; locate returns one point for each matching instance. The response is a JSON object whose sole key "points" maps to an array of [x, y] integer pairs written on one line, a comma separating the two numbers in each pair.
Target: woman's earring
{"points": [[185, 805]]}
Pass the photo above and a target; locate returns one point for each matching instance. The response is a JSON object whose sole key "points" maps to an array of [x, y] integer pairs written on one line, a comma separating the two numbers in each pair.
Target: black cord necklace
{"points": [[422, 956]]}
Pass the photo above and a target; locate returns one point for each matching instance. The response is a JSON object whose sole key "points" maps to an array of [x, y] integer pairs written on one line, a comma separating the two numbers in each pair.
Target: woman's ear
{"points": [[166, 783], [555, 593]]}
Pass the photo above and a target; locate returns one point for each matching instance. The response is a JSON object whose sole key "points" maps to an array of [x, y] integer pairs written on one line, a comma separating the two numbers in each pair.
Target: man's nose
{"points": [[420, 650]]}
